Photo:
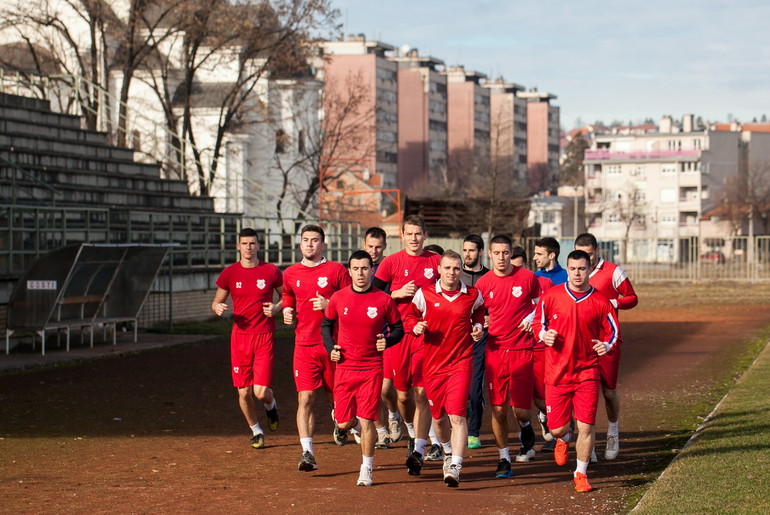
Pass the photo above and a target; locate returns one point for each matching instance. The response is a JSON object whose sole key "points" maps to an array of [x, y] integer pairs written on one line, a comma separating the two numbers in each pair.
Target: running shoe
{"points": [[409, 446], [383, 441], [452, 476], [547, 436], [593, 458], [503, 469], [258, 441], [340, 436], [561, 452], [272, 418], [447, 463], [581, 482], [307, 463], [474, 442], [365, 477], [613, 445], [525, 455], [527, 437], [414, 464], [435, 453], [395, 430], [356, 436]]}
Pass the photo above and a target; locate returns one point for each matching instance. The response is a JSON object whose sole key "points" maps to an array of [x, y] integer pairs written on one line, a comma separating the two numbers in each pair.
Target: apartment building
{"points": [[651, 187], [422, 122], [468, 119], [543, 131], [508, 127]]}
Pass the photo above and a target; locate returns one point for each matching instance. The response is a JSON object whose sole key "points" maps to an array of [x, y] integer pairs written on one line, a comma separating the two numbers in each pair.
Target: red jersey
{"points": [[509, 300], [360, 317], [250, 288], [302, 283], [614, 284], [450, 316], [399, 268], [577, 320]]}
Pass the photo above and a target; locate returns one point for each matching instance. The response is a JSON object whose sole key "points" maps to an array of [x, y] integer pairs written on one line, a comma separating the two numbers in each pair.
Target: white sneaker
{"points": [[383, 442], [594, 459], [365, 477], [395, 431], [613, 445], [452, 475], [525, 456], [356, 435], [447, 464]]}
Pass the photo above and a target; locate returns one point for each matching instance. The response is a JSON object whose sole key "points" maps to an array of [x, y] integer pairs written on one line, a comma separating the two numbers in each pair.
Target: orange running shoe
{"points": [[581, 482], [561, 452]]}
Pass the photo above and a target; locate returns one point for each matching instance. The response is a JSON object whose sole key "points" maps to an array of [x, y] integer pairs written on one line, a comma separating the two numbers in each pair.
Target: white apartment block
{"points": [[652, 187]]}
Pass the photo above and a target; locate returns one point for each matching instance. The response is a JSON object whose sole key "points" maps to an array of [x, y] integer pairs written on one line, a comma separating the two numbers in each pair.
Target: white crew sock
{"points": [[612, 428], [382, 431], [307, 444], [393, 415], [457, 460], [505, 454], [447, 446], [270, 406], [582, 467], [369, 461], [419, 445], [410, 429], [256, 429]]}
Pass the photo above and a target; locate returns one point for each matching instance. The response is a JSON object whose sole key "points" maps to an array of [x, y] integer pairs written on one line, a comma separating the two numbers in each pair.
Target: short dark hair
{"points": [[579, 254], [376, 232], [313, 228], [519, 252], [501, 238], [438, 249], [247, 232], [361, 254], [549, 244], [475, 238], [586, 239], [414, 220]]}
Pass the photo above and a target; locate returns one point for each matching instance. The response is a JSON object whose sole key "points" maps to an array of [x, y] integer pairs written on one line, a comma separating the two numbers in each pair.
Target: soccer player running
{"points": [[519, 258], [473, 270], [450, 316], [307, 288], [578, 325], [613, 282], [509, 295], [388, 421], [251, 283], [546, 258], [403, 273], [359, 314]]}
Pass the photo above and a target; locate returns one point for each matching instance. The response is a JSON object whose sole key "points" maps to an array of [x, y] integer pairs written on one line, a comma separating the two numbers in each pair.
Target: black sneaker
{"points": [[340, 436], [436, 453], [307, 463], [503, 469], [272, 418], [258, 441], [414, 464], [409, 446]]}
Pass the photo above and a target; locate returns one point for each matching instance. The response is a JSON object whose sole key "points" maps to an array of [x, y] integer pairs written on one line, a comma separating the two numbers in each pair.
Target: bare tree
{"points": [[571, 169], [746, 196], [626, 205]]}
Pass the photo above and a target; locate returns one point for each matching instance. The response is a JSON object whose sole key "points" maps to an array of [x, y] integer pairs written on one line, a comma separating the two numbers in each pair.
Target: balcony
{"points": [[606, 155]]}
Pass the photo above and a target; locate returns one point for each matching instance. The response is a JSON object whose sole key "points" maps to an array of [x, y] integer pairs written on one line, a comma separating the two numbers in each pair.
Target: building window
{"points": [[549, 217], [668, 169], [613, 169], [613, 218], [640, 195], [638, 170], [281, 141], [301, 141]]}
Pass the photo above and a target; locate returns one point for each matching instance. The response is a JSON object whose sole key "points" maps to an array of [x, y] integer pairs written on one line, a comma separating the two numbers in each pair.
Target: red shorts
{"points": [[509, 376], [403, 363], [538, 370], [251, 359], [448, 393], [312, 368], [609, 365], [561, 401], [356, 394]]}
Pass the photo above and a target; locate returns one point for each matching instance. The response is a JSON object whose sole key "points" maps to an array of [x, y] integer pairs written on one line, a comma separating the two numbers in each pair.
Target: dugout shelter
{"points": [[83, 286]]}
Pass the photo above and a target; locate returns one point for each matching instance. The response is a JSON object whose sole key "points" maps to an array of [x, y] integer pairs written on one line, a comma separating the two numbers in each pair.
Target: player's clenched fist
{"points": [[335, 354], [420, 327], [600, 347], [549, 338], [319, 302], [381, 343], [407, 290], [218, 308], [477, 332], [288, 316]]}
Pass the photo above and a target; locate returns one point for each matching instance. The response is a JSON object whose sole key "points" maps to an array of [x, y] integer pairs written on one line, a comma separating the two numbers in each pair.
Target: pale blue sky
{"points": [[605, 60]]}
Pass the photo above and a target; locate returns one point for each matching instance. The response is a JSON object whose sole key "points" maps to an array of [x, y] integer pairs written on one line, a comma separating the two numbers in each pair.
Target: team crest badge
{"points": [[323, 282], [261, 284], [371, 312], [428, 273], [516, 291]]}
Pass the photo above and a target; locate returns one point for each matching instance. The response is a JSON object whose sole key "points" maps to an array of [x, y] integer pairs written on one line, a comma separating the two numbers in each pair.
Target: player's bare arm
{"points": [[319, 302], [219, 306], [600, 347]]}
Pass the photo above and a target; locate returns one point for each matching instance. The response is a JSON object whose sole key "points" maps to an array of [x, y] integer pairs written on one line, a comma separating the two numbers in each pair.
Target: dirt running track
{"points": [[161, 432]]}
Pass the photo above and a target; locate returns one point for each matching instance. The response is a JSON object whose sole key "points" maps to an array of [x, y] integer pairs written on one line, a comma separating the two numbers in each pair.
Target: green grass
{"points": [[726, 468]]}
